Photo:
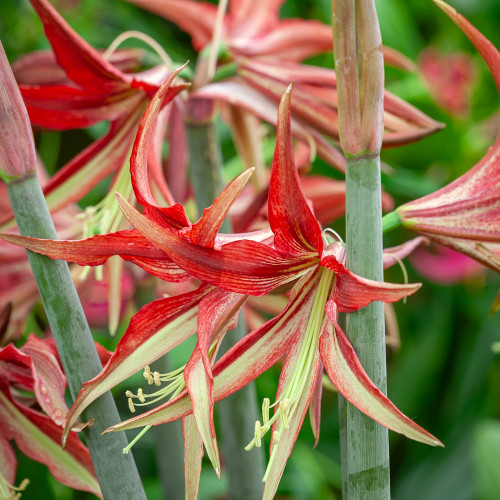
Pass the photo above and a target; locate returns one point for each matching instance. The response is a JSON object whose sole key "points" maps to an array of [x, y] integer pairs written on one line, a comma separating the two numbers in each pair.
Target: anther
{"points": [[129, 394], [140, 395], [156, 378], [276, 437], [131, 405]]}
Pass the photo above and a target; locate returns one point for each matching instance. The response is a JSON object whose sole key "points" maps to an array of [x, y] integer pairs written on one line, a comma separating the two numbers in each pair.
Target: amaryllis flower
{"points": [[464, 215], [32, 411], [263, 54], [233, 267], [306, 331], [93, 90]]}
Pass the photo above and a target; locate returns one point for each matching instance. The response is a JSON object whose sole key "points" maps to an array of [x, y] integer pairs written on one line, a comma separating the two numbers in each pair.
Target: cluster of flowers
{"points": [[75, 86]]}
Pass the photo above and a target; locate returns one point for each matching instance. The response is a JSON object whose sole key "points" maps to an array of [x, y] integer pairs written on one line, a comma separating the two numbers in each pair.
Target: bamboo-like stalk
{"points": [[116, 472], [367, 447], [360, 84], [239, 412]]}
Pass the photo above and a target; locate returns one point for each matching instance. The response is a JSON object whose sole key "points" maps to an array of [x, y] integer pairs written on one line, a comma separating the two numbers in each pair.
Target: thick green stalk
{"points": [[116, 472], [239, 412], [367, 470]]}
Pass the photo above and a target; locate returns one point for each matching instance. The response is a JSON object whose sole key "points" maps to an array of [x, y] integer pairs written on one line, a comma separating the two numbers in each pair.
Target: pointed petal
{"points": [[396, 254], [152, 332], [281, 450], [38, 438], [315, 406], [345, 371], [83, 64], [353, 292], [292, 221], [95, 251], [243, 266], [50, 381], [217, 312], [193, 453], [204, 231], [139, 160]]}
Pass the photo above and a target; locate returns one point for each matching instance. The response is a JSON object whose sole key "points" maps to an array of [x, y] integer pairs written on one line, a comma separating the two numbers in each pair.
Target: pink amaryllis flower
{"points": [[32, 410], [464, 215]]}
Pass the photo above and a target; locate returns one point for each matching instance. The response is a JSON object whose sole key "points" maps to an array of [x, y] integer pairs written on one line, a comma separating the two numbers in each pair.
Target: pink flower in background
{"points": [[444, 265], [450, 79]]}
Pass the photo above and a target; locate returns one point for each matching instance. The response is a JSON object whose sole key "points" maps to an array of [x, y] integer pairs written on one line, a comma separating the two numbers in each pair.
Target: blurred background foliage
{"points": [[445, 374]]}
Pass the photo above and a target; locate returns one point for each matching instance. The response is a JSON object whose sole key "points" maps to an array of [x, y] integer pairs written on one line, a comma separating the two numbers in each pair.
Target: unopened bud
{"points": [[17, 147]]}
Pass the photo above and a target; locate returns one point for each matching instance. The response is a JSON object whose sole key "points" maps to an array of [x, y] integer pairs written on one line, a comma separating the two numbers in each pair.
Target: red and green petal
{"points": [[153, 331], [346, 373], [49, 379], [217, 313], [95, 251], [296, 230], [38, 437], [283, 448], [193, 454]]}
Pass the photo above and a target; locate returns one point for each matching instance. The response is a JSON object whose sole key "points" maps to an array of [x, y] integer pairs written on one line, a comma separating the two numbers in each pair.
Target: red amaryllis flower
{"points": [[239, 265], [306, 331], [32, 411], [92, 89], [464, 215], [266, 51]]}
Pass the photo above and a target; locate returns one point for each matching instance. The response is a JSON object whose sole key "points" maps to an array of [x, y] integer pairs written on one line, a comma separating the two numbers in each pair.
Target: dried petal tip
{"points": [[17, 148]]}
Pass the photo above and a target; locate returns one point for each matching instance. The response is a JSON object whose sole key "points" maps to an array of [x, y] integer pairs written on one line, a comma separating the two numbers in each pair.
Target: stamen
{"points": [[140, 395], [265, 410], [258, 440], [276, 437], [131, 405], [328, 231], [144, 38], [156, 378]]}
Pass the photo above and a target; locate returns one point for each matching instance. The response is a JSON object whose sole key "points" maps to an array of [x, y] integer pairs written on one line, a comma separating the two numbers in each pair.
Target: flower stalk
{"points": [[67, 320], [359, 65]]}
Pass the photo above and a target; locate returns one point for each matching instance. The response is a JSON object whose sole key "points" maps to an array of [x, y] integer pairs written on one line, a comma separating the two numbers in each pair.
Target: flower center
{"points": [[288, 401], [9, 492]]}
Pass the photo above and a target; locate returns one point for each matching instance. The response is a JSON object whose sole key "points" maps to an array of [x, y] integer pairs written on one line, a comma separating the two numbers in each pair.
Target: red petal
{"points": [[246, 267], [292, 221], [95, 251], [83, 64]]}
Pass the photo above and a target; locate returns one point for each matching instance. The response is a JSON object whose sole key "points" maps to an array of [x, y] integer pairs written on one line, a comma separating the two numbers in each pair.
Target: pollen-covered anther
{"points": [[147, 375], [156, 378], [129, 394], [131, 406], [140, 395], [265, 410], [276, 437]]}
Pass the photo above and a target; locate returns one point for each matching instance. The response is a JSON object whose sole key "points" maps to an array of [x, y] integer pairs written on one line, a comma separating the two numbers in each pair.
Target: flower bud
{"points": [[17, 148], [359, 68]]}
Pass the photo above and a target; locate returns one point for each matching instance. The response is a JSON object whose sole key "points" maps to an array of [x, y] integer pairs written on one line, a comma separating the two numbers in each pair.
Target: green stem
{"points": [[390, 221], [367, 470], [239, 412], [116, 472]]}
